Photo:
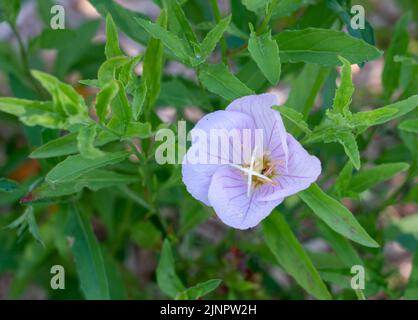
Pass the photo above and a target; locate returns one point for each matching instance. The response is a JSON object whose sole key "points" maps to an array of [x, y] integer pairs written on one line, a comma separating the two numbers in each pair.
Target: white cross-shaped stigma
{"points": [[250, 172]]}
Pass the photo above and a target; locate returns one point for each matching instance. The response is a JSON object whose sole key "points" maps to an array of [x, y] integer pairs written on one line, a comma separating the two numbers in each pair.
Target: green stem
{"points": [[218, 17], [267, 17]]}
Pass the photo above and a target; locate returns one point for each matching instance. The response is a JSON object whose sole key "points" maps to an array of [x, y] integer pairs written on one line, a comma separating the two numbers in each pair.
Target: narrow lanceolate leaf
{"points": [[213, 37], [265, 52], [66, 99], [323, 46], [199, 290], [348, 141], [370, 177], [121, 110], [34, 113], [343, 248], [409, 125], [124, 18], [399, 46], [67, 144], [343, 179], [74, 166], [184, 24], [104, 98], [152, 71], [336, 216], [292, 257], [295, 117], [85, 142], [342, 99], [167, 279], [387, 113], [112, 39], [170, 40], [219, 80], [140, 94], [93, 180], [372, 117], [88, 257]]}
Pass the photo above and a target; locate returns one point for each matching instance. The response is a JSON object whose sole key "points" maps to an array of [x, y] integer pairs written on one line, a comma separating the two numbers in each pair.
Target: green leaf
{"points": [[342, 247], [138, 130], [152, 71], [343, 11], [170, 40], [111, 68], [167, 279], [184, 25], [295, 117], [66, 99], [399, 46], [124, 18], [67, 144], [291, 256], [52, 39], [140, 95], [74, 166], [370, 177], [348, 141], [7, 185], [343, 179], [104, 98], [26, 222], [93, 180], [323, 46], [213, 37], [199, 290], [372, 117], [336, 216], [265, 52], [409, 125], [255, 5], [342, 99], [112, 39], [88, 257], [219, 80], [121, 110], [285, 8], [68, 57], [34, 113], [85, 142], [387, 113]]}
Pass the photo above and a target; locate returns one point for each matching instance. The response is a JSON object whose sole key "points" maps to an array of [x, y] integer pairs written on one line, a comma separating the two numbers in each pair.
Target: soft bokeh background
{"points": [[141, 262]]}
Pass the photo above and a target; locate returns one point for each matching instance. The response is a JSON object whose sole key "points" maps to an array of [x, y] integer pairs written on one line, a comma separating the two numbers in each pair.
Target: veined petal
{"points": [[303, 169], [228, 197], [197, 175], [274, 132]]}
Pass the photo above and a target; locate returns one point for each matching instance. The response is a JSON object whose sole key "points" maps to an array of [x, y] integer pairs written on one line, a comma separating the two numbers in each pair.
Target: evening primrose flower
{"points": [[244, 192]]}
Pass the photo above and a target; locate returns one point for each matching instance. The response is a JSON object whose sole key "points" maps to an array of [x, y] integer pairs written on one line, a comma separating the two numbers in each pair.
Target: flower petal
{"points": [[197, 176], [228, 196], [259, 108], [303, 169]]}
